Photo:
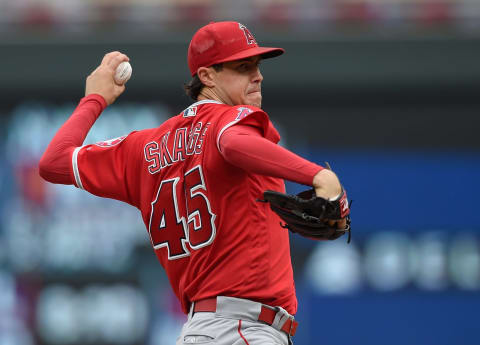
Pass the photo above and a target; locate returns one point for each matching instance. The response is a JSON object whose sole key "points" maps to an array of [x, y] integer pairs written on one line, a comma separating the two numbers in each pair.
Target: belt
{"points": [[267, 314]]}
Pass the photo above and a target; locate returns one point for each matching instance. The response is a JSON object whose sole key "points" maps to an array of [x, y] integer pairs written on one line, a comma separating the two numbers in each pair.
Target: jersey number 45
{"points": [[180, 231]]}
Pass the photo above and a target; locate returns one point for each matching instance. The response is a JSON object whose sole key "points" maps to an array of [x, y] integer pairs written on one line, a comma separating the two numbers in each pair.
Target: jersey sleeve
{"points": [[55, 164], [243, 147], [249, 116], [107, 169]]}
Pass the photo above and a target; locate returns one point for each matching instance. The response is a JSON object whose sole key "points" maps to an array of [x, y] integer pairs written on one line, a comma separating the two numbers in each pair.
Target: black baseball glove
{"points": [[308, 215]]}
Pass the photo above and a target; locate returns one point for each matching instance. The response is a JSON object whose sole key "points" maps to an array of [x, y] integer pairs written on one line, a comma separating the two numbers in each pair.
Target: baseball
{"points": [[123, 73]]}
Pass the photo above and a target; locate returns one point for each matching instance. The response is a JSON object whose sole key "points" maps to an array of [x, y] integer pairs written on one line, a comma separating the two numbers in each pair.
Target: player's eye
{"points": [[248, 66], [243, 67]]}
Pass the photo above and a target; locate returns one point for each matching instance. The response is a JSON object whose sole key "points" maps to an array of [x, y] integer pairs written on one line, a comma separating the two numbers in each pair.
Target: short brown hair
{"points": [[195, 86]]}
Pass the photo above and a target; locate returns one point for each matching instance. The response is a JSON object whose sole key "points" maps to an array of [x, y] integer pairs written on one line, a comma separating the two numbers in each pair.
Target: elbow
{"points": [[54, 168], [43, 168], [47, 168]]}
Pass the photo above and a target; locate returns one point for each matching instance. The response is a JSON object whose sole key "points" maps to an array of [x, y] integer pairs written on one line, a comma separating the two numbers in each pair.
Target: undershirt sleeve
{"points": [[244, 147], [56, 163]]}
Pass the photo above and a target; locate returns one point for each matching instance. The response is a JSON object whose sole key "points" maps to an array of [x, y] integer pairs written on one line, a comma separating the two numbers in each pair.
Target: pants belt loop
{"points": [[190, 313], [281, 317]]}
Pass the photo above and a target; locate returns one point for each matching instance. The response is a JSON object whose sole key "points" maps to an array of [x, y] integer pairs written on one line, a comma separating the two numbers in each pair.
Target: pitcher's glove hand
{"points": [[308, 214]]}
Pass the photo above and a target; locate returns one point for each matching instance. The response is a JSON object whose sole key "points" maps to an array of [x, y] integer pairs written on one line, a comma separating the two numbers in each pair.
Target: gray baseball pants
{"points": [[235, 322]]}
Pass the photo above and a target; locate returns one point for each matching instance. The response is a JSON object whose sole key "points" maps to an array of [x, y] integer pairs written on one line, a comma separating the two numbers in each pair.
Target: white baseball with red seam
{"points": [[123, 73]]}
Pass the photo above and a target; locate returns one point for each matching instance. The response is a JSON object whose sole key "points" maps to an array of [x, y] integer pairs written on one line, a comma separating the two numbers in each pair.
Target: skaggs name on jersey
{"points": [[164, 153]]}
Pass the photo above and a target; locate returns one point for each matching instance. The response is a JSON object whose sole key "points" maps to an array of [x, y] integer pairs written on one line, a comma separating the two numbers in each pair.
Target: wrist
{"points": [[323, 178], [95, 97], [327, 185]]}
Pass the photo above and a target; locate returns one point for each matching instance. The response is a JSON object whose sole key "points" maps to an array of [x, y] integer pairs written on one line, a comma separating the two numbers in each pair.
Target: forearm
{"points": [[56, 163], [248, 150]]}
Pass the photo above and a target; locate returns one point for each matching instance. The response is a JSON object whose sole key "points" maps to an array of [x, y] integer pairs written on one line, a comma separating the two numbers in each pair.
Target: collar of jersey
{"points": [[205, 101]]}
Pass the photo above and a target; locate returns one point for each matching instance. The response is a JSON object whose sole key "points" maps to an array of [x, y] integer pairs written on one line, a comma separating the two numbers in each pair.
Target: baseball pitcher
{"points": [[209, 183]]}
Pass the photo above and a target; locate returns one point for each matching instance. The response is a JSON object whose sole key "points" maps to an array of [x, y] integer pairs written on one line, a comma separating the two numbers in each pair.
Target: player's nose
{"points": [[257, 76]]}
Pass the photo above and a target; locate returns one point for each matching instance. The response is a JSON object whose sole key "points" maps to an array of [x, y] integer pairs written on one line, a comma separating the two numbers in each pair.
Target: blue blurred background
{"points": [[385, 91]]}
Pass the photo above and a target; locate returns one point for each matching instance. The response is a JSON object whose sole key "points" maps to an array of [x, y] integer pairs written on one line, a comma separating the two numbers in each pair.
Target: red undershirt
{"points": [[241, 145]]}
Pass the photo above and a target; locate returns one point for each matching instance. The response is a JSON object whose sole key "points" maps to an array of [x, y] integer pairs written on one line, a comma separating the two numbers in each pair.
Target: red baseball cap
{"points": [[224, 41]]}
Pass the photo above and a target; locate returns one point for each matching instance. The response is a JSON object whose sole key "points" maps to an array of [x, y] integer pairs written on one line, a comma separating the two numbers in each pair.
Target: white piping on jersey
{"points": [[228, 125], [205, 101], [76, 173]]}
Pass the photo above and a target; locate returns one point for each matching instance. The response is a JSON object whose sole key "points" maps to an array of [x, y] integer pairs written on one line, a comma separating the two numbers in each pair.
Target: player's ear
{"points": [[206, 76]]}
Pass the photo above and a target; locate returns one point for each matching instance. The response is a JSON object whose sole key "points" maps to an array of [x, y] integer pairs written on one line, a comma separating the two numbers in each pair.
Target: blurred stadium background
{"points": [[385, 90]]}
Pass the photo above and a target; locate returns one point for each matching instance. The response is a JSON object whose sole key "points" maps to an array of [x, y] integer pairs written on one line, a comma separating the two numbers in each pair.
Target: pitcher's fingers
{"points": [[119, 89], [109, 56], [331, 222], [116, 60]]}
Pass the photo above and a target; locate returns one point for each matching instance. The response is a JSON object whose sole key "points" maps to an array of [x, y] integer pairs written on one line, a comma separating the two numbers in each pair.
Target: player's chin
{"points": [[255, 99]]}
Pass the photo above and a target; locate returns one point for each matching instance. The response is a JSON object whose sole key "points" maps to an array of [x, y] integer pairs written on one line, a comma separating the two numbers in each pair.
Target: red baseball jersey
{"points": [[206, 226]]}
